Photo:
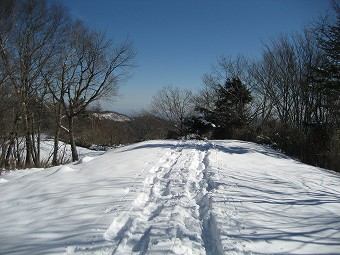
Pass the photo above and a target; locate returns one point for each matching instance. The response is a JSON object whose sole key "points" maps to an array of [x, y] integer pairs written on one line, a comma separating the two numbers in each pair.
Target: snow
{"points": [[64, 152], [2, 180], [172, 197], [111, 116]]}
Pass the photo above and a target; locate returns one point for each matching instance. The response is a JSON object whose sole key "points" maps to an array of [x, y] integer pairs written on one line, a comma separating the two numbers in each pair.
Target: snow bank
{"points": [[173, 197]]}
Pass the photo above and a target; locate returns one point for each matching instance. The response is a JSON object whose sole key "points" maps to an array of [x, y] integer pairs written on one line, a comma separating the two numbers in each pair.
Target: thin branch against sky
{"points": [[177, 41]]}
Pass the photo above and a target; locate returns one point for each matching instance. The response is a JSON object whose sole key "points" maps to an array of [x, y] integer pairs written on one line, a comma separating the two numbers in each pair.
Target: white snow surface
{"points": [[114, 116], [173, 197], [64, 150]]}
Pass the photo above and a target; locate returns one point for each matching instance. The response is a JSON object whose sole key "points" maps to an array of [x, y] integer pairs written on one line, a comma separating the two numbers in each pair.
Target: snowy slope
{"points": [[114, 116], [64, 150], [173, 197]]}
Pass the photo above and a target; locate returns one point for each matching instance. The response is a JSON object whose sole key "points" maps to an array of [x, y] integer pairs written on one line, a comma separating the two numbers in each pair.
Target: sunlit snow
{"points": [[173, 197]]}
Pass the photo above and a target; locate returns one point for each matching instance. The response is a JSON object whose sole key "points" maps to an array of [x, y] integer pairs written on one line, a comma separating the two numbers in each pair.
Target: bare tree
{"points": [[27, 44], [173, 104], [226, 68], [44, 52], [91, 67], [284, 88], [327, 31]]}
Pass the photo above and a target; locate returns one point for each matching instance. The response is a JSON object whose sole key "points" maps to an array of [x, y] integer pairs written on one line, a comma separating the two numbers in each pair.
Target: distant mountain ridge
{"points": [[108, 115]]}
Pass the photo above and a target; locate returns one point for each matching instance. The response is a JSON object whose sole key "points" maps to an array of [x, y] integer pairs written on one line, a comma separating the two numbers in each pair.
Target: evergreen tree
{"points": [[198, 124], [230, 108]]}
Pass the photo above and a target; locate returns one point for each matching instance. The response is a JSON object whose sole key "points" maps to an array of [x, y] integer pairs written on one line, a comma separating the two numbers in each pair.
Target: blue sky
{"points": [[177, 41]]}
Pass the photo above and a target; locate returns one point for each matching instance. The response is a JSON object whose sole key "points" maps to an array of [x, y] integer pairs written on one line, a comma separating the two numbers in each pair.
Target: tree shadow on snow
{"points": [[247, 148], [290, 220]]}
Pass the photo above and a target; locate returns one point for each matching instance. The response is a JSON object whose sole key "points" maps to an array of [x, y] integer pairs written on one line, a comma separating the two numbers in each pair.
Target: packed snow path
{"points": [[173, 197], [168, 215]]}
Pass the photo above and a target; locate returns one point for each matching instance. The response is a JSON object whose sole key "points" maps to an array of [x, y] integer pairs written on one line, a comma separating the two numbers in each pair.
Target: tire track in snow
{"points": [[172, 214]]}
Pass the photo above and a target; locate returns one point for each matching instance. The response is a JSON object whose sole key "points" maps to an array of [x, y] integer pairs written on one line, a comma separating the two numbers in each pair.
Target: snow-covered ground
{"points": [[64, 150], [173, 197]]}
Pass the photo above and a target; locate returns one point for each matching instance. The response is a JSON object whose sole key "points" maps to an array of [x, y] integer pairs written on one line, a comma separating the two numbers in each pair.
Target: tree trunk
{"points": [[56, 136], [38, 146], [72, 141], [56, 146], [28, 135], [17, 150], [9, 153], [28, 161], [3, 153]]}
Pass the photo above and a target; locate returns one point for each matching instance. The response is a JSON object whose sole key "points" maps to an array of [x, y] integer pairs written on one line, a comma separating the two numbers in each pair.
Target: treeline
{"points": [[52, 68], [91, 130], [289, 98]]}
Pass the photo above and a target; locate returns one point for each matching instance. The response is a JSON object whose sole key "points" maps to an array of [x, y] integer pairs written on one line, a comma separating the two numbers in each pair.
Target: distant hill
{"points": [[107, 115]]}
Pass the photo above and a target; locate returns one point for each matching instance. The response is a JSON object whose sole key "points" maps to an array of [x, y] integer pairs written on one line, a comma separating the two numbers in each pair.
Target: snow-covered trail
{"points": [[208, 198], [166, 218], [174, 197]]}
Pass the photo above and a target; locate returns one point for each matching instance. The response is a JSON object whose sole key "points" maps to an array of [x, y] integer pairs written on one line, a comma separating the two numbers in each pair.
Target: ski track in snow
{"points": [[172, 213]]}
